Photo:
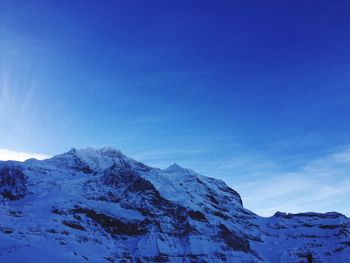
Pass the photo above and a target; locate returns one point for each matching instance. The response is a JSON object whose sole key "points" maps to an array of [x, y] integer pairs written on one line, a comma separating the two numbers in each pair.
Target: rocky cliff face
{"points": [[13, 183], [101, 206]]}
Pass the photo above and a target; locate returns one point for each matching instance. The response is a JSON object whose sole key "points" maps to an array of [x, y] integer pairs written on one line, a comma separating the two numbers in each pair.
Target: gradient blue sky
{"points": [[253, 92]]}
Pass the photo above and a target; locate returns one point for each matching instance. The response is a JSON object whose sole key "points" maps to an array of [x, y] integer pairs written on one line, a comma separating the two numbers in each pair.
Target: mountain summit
{"points": [[175, 168], [98, 205]]}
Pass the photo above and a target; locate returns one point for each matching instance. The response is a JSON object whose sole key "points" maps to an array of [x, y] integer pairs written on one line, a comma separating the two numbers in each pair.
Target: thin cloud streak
{"points": [[320, 185]]}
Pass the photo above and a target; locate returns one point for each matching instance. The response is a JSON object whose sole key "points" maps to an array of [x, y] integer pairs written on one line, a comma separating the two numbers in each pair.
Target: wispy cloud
{"points": [[320, 185], [6, 155], [27, 106]]}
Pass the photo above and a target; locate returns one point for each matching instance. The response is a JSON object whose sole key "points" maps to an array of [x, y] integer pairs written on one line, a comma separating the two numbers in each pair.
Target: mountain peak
{"points": [[90, 152], [175, 168], [97, 159], [95, 199]]}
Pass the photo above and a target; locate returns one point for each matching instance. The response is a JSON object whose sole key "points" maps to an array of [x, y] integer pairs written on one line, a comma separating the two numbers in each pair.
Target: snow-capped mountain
{"points": [[100, 206]]}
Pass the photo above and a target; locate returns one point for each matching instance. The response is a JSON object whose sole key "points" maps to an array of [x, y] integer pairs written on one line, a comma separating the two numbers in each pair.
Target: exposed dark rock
{"points": [[309, 258], [52, 231], [233, 240], [73, 224], [13, 182], [58, 211], [161, 258], [6, 230], [117, 176], [328, 226], [87, 170], [197, 215], [213, 199], [329, 215], [125, 184], [16, 213], [113, 225], [307, 225], [221, 256], [221, 214], [127, 179], [109, 258]]}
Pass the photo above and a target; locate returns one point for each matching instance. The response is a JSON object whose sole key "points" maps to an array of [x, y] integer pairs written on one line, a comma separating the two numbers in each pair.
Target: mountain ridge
{"points": [[102, 206]]}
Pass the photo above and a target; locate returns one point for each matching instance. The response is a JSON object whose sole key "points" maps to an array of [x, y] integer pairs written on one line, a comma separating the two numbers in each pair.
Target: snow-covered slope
{"points": [[101, 206]]}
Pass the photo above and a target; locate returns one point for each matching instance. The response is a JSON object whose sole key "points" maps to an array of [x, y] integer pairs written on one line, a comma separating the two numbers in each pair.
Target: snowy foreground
{"points": [[100, 206]]}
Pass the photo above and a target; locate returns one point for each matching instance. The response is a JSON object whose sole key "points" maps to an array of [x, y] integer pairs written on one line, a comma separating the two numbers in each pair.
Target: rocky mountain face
{"points": [[100, 206]]}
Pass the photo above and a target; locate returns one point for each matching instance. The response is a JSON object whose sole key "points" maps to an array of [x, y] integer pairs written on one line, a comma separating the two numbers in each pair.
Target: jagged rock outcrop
{"points": [[13, 183]]}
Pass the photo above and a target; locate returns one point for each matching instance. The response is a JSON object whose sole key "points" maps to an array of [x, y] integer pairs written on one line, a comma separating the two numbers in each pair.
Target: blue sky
{"points": [[256, 93]]}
